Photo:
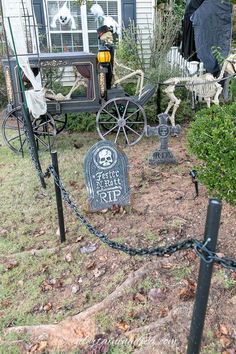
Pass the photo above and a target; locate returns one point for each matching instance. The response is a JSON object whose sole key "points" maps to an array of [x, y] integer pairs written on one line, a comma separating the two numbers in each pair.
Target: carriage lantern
{"points": [[104, 55]]}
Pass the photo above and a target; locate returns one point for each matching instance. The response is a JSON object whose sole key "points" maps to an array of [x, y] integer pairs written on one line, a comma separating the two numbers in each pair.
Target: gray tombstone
{"points": [[106, 176], [163, 155]]}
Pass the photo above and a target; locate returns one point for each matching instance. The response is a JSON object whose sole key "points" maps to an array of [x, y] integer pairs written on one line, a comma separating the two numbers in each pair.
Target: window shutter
{"points": [[39, 14], [128, 11]]}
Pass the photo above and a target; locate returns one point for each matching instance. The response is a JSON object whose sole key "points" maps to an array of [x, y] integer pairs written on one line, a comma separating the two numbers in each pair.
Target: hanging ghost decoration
{"points": [[97, 11], [64, 17]]}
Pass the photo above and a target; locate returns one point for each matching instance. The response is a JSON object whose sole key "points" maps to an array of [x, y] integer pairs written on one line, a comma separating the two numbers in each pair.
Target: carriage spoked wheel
{"points": [[44, 130], [122, 121], [60, 121]]}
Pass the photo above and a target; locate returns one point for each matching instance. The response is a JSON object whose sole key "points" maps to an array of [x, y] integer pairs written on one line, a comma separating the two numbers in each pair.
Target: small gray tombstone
{"points": [[106, 176], [163, 155]]}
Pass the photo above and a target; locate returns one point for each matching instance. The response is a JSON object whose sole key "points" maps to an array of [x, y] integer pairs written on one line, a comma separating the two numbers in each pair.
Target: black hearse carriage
{"points": [[73, 82]]}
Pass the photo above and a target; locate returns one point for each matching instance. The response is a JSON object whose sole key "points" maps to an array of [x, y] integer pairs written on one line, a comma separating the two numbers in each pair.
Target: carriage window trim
{"points": [[93, 80]]}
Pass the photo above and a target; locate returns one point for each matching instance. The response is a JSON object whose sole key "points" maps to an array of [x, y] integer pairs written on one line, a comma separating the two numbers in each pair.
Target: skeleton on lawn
{"points": [[205, 86]]}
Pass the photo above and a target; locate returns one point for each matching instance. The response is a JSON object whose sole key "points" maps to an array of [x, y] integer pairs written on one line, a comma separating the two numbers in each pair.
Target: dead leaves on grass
{"points": [[11, 264], [123, 326], [38, 347], [3, 232], [68, 258], [157, 295], [227, 338], [98, 272], [140, 298], [190, 256], [188, 292], [89, 248], [50, 284], [100, 345]]}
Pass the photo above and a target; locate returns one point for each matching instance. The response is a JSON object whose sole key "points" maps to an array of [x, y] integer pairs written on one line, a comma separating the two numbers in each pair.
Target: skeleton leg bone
{"points": [[218, 92], [174, 102], [172, 117], [208, 101]]}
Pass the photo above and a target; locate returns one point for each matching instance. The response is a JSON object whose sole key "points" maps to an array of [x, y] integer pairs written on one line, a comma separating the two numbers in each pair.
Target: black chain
{"points": [[208, 256], [201, 250]]}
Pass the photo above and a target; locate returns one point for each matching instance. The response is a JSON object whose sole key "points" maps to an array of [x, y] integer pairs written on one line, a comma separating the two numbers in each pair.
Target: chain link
{"points": [[201, 250]]}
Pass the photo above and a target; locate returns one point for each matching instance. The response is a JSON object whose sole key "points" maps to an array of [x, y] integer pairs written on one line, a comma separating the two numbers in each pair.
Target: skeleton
{"points": [[79, 82], [64, 17], [105, 158], [205, 86]]}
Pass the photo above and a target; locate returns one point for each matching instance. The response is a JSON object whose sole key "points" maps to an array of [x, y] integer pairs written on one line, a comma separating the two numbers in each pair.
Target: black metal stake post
{"points": [[204, 278], [59, 200]]}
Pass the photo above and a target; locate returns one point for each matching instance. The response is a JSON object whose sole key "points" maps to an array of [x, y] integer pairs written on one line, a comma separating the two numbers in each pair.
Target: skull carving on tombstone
{"points": [[105, 158]]}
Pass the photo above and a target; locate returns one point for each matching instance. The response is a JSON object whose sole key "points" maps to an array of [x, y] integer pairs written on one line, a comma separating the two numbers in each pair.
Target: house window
{"points": [[84, 37], [110, 7], [62, 37]]}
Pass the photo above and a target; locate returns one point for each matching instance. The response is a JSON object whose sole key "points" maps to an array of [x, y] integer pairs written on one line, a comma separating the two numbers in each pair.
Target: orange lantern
{"points": [[104, 55]]}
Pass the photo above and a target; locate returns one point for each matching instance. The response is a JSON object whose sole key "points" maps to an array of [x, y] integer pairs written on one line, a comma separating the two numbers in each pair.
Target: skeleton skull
{"points": [[105, 157]]}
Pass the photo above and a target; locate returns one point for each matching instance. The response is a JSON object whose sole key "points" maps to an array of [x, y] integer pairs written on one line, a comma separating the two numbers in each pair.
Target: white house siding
{"points": [[144, 21]]}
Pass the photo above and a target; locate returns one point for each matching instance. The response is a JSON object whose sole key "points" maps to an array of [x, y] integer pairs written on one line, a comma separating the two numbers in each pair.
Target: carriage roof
{"points": [[55, 57]]}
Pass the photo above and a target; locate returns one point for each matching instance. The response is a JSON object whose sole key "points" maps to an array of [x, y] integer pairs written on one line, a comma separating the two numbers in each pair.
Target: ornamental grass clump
{"points": [[212, 139]]}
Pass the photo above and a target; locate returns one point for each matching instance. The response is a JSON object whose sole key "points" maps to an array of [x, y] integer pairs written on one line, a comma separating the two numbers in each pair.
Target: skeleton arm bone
{"points": [[79, 81], [140, 82]]}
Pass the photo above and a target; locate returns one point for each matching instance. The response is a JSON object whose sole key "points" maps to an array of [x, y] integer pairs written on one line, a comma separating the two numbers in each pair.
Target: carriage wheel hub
{"points": [[121, 122]]}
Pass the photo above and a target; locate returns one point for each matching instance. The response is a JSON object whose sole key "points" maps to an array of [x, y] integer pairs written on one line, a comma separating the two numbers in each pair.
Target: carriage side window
{"points": [[69, 82]]}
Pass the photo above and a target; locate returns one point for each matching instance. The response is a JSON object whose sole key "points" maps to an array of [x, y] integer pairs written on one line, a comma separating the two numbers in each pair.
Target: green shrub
{"points": [[212, 138], [81, 122]]}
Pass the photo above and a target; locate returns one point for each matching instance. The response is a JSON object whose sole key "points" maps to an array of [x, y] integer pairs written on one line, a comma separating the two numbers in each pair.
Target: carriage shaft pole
{"points": [[26, 114], [32, 142], [58, 199]]}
